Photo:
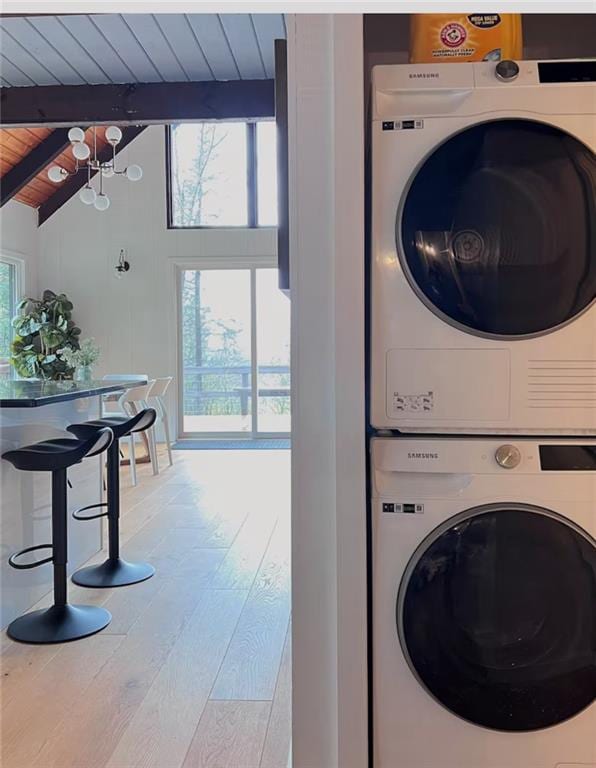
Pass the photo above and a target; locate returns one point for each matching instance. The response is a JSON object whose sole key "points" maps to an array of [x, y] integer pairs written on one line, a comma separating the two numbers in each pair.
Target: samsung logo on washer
{"points": [[424, 75], [420, 455]]}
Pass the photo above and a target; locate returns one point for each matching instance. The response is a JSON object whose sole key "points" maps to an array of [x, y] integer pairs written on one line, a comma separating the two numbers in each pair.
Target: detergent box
{"points": [[442, 37]]}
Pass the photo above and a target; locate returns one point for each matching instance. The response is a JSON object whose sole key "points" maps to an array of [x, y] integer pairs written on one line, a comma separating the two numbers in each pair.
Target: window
{"points": [[222, 175], [10, 279], [267, 174]]}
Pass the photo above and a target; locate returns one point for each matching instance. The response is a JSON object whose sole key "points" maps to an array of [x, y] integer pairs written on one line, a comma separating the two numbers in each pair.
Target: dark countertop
{"points": [[31, 394]]}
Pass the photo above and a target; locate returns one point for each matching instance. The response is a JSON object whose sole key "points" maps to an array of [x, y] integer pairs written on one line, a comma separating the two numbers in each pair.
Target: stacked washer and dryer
{"points": [[483, 399]]}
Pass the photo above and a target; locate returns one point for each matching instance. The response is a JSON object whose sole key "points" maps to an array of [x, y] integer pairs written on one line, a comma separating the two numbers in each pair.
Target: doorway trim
{"points": [[329, 539]]}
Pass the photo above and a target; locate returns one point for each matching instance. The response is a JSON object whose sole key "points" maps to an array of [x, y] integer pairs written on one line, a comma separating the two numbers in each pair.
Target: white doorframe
{"points": [[221, 263], [329, 565], [254, 389]]}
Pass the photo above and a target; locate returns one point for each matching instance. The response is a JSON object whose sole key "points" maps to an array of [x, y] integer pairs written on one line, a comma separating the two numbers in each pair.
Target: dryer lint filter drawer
{"points": [[455, 384]]}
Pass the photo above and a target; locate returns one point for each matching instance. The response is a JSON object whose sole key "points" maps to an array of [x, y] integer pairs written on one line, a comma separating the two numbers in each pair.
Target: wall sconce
{"points": [[122, 266]]}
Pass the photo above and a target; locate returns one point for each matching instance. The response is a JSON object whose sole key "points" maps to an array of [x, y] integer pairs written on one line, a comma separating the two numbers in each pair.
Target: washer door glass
{"points": [[498, 229], [496, 615]]}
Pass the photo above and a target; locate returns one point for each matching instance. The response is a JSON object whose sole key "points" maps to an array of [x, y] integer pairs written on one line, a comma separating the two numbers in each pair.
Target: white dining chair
{"points": [[157, 400], [132, 401], [113, 398]]}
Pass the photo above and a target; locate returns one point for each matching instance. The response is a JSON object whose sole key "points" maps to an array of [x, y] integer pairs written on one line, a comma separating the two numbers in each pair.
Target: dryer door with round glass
{"points": [[496, 616], [497, 230]]}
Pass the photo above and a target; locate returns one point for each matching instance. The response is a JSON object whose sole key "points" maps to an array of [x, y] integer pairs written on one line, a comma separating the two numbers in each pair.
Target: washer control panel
{"points": [[508, 456], [421, 461], [406, 508]]}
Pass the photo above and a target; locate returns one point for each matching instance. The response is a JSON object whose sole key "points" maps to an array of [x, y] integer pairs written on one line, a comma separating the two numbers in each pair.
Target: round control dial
{"points": [[506, 70], [508, 456]]}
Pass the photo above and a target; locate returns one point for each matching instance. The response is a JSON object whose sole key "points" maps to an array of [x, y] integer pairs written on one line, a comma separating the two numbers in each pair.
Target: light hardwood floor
{"points": [[194, 670]]}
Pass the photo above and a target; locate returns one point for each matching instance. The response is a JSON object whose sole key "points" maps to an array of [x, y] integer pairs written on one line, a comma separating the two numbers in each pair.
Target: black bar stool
{"points": [[113, 572], [61, 622]]}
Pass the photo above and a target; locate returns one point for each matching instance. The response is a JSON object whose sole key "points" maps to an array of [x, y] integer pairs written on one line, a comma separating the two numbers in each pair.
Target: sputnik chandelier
{"points": [[86, 160]]}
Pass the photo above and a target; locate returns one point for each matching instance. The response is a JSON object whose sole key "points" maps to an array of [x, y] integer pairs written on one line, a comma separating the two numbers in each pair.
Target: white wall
{"points": [[19, 237], [325, 63], [133, 319]]}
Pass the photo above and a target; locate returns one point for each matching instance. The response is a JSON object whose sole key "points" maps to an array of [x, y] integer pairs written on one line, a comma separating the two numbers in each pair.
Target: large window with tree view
{"points": [[8, 300], [235, 352], [222, 174]]}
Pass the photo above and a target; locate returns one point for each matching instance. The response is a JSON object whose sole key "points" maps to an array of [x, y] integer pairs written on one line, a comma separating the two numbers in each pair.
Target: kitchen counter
{"points": [[31, 394]]}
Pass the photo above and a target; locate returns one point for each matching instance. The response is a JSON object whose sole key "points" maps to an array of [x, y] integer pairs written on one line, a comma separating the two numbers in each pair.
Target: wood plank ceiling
{"points": [[16, 143], [138, 48], [96, 49]]}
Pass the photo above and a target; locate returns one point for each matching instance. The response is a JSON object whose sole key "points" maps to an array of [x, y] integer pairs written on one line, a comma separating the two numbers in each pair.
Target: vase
{"points": [[83, 373]]}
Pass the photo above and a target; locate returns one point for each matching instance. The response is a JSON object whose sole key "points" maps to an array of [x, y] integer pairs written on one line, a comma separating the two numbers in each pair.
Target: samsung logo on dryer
{"points": [[423, 75], [421, 455]]}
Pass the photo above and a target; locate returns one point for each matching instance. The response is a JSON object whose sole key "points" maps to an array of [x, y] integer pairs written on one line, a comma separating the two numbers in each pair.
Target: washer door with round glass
{"points": [[496, 615], [497, 232]]}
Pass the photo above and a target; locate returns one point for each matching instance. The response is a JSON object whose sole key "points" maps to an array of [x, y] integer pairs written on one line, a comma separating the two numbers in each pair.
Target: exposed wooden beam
{"points": [[136, 103], [70, 187], [283, 191], [21, 174]]}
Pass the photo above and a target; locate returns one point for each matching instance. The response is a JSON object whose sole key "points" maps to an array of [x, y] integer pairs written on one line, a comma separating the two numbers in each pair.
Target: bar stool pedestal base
{"points": [[113, 572], [59, 624]]}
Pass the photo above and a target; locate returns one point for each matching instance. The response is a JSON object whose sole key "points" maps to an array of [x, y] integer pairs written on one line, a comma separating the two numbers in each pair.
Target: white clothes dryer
{"points": [[483, 313]]}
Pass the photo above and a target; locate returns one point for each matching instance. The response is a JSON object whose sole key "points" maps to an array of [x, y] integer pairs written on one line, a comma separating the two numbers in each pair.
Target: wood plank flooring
{"points": [[194, 670]]}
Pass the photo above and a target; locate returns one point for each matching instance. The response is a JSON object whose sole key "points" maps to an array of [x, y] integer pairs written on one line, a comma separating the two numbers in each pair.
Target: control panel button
{"points": [[507, 70], [403, 508], [508, 456]]}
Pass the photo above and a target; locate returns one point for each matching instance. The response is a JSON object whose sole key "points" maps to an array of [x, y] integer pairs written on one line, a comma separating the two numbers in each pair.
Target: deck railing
{"points": [[226, 389]]}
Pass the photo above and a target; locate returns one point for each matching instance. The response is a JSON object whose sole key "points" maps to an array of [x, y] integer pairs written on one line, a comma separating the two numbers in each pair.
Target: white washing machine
{"points": [[483, 312], [484, 603]]}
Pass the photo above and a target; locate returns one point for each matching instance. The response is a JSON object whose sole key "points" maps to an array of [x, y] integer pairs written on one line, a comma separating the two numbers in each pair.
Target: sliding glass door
{"points": [[235, 353]]}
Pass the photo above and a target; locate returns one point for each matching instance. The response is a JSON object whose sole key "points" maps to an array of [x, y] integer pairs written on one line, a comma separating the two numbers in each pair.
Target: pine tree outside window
{"points": [[222, 174]]}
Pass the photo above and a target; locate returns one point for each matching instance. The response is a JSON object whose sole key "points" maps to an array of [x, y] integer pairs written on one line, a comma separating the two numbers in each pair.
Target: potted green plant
{"points": [[42, 327], [82, 359]]}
